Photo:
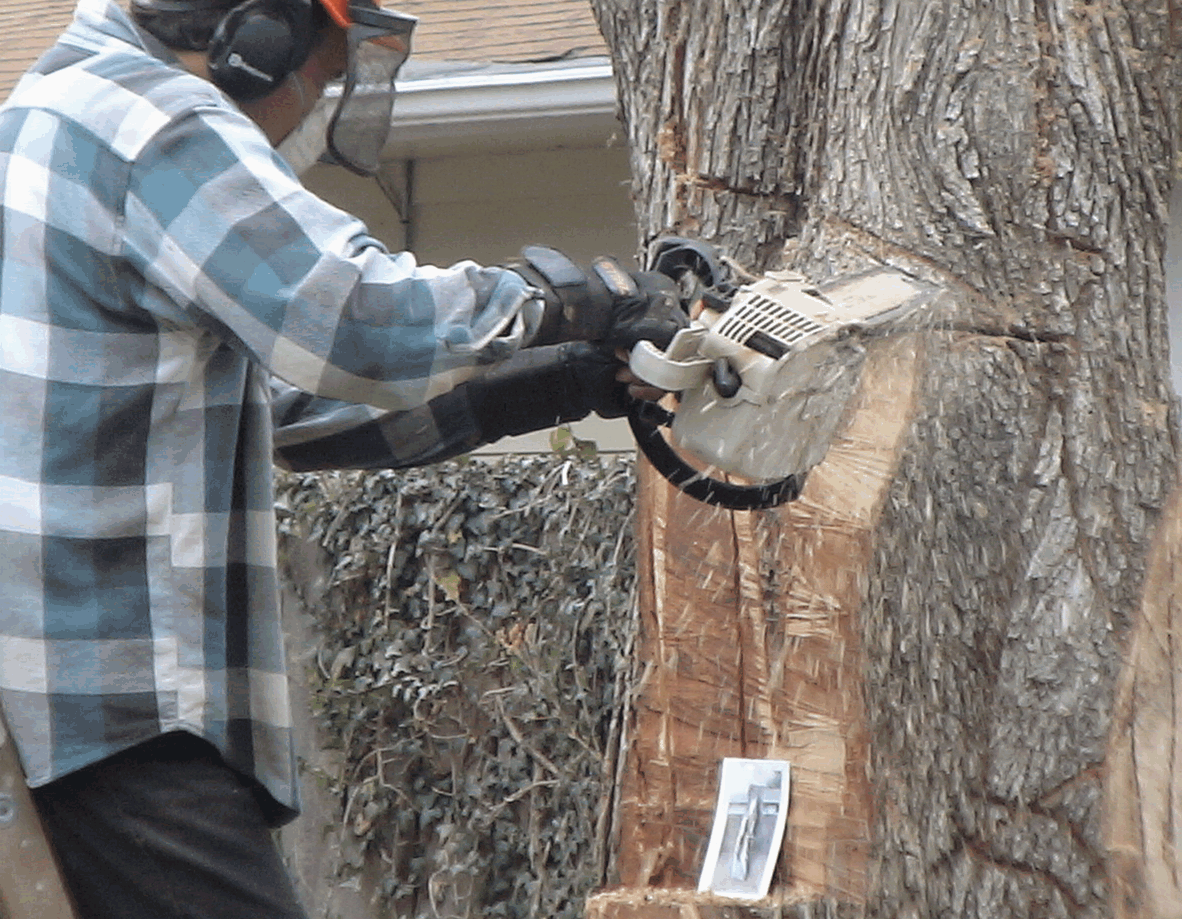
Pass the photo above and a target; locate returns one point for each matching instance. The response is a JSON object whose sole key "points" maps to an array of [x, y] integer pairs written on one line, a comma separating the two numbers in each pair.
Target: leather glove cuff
{"points": [[580, 305], [542, 387]]}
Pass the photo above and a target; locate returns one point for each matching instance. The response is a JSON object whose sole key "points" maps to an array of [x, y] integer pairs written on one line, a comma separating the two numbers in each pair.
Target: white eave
{"points": [[446, 108]]}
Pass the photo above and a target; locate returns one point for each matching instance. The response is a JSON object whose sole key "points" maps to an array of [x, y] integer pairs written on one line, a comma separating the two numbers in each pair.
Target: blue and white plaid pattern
{"points": [[160, 266]]}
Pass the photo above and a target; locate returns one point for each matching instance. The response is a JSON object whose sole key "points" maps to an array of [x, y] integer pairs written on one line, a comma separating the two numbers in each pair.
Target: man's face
{"points": [[326, 63], [359, 125], [279, 113]]}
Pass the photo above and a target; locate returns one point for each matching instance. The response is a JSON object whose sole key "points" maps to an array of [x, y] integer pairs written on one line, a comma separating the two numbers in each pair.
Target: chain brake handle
{"points": [[700, 274]]}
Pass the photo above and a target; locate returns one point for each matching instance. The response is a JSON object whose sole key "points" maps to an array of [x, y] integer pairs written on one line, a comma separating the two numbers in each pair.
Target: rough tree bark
{"points": [[935, 633]]}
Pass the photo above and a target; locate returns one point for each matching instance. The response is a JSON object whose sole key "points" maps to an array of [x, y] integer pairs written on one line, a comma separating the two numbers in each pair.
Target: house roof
{"points": [[503, 31], [28, 27]]}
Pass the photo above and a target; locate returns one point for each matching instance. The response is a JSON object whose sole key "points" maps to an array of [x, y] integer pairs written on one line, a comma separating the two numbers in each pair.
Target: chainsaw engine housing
{"points": [[765, 383]]}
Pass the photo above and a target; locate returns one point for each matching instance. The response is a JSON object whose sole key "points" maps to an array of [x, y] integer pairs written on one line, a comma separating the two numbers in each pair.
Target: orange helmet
{"points": [[349, 12], [339, 11]]}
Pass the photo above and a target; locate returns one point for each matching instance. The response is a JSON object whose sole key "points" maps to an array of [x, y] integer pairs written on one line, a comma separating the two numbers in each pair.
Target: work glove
{"points": [[591, 371], [603, 303], [542, 387]]}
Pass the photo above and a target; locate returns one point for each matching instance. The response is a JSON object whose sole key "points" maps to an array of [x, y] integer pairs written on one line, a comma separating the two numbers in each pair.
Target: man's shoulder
{"points": [[119, 96]]}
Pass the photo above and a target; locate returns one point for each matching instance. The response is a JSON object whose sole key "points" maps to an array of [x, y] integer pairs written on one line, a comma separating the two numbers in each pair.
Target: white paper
{"points": [[748, 828]]}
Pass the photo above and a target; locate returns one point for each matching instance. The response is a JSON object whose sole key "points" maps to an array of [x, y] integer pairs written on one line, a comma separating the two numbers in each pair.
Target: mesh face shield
{"points": [[378, 46]]}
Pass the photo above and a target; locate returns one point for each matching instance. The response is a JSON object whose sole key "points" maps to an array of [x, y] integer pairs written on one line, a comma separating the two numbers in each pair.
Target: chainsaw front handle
{"points": [[646, 420]]}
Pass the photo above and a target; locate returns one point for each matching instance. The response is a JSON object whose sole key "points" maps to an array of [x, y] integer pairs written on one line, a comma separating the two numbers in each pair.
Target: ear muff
{"points": [[258, 44]]}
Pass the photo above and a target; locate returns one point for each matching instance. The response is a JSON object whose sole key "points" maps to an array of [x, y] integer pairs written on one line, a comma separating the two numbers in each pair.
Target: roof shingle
{"points": [[28, 27], [508, 31]]}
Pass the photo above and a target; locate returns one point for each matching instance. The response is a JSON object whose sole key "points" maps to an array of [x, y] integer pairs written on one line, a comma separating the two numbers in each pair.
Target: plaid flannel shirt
{"points": [[173, 303]]}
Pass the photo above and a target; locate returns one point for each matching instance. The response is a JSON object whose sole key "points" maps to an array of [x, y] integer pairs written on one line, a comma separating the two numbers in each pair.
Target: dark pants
{"points": [[166, 831]]}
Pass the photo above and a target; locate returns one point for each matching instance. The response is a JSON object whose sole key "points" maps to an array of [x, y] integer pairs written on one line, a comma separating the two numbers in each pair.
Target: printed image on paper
{"points": [[748, 828]]}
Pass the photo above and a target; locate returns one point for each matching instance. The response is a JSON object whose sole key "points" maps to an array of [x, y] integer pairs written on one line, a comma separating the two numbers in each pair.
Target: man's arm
{"points": [[535, 389], [226, 235], [228, 240]]}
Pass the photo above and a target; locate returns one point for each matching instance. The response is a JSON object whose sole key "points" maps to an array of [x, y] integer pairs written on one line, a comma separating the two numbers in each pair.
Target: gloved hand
{"points": [[542, 387], [593, 372], [604, 303]]}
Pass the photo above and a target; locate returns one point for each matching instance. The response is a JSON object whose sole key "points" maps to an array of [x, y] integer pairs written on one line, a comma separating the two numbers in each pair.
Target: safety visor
{"points": [[378, 44]]}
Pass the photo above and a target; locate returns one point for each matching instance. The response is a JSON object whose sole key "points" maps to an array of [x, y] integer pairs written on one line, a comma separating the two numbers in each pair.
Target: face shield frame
{"points": [[378, 44]]}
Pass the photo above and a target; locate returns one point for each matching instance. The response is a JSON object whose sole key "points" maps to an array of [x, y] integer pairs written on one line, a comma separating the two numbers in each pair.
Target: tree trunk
{"points": [[934, 634]]}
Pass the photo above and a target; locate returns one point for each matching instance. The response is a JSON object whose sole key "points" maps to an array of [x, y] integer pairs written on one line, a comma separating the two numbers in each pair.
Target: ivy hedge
{"points": [[474, 669]]}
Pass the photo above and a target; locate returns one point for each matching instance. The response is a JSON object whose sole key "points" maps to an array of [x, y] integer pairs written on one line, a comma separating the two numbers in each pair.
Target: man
{"points": [[174, 308]]}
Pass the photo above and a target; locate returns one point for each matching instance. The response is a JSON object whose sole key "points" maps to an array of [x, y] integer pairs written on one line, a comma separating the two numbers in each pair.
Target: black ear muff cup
{"points": [[258, 45]]}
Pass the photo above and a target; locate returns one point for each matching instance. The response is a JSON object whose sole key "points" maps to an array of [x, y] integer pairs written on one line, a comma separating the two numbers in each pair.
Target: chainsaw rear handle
{"points": [[675, 369]]}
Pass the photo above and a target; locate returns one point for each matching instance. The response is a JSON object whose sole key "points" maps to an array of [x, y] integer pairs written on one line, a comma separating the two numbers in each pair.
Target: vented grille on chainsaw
{"points": [[767, 324]]}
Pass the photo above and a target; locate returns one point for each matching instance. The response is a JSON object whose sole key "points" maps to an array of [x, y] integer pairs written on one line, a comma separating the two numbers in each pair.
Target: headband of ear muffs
{"points": [[258, 44]]}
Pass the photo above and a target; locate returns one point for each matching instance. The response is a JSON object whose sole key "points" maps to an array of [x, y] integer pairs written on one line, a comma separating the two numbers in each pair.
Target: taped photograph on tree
{"points": [[748, 828]]}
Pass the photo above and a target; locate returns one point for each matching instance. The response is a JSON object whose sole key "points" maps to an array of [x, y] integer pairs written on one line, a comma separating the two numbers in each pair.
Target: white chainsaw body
{"points": [[798, 353]]}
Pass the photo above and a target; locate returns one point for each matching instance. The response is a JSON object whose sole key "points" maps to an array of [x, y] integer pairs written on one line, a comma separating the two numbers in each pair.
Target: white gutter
{"points": [[506, 106], [577, 89]]}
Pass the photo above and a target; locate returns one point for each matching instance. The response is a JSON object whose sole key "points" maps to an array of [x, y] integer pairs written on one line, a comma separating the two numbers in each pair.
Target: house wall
{"points": [[486, 206]]}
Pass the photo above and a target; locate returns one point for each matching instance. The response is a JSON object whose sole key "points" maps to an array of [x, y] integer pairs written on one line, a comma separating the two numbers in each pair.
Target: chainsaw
{"points": [[762, 374]]}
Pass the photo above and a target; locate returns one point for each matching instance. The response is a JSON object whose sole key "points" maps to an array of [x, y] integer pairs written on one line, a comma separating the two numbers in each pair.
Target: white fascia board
{"points": [[506, 96], [506, 106]]}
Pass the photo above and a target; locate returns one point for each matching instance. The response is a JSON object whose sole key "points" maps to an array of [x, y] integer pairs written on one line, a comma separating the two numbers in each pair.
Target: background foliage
{"points": [[473, 668]]}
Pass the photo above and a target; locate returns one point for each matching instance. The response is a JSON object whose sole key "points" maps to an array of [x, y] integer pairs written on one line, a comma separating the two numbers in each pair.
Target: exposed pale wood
{"points": [[683, 904], [751, 649], [1143, 785], [30, 885]]}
